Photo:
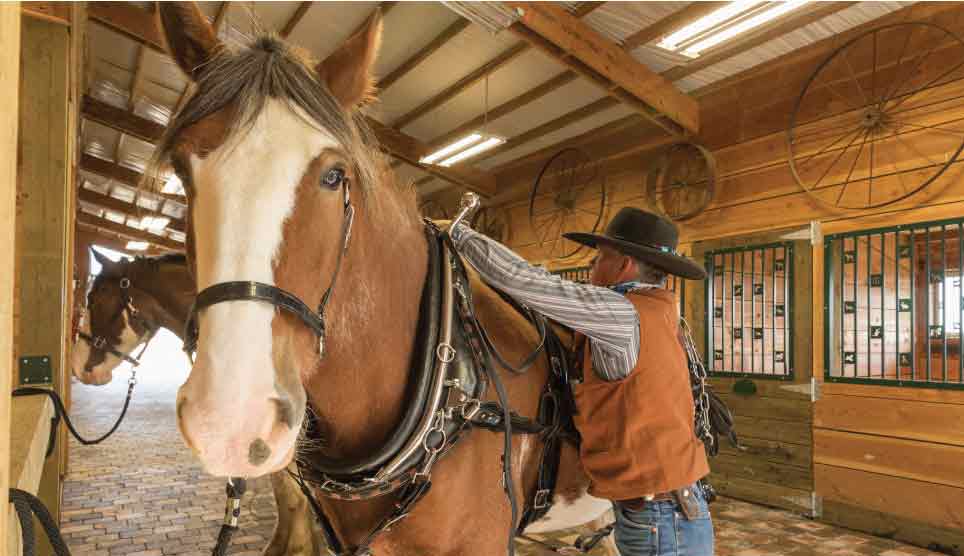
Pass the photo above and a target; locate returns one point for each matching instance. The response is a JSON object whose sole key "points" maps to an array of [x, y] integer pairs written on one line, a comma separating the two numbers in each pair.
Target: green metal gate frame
{"points": [[788, 312], [828, 316]]}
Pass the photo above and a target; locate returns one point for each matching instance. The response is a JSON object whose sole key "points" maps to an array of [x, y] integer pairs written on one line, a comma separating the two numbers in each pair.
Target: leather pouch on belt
{"points": [[687, 503]]}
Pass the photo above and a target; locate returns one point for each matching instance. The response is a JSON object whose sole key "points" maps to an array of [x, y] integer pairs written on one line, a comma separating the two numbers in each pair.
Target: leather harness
{"points": [[99, 342], [452, 369]]}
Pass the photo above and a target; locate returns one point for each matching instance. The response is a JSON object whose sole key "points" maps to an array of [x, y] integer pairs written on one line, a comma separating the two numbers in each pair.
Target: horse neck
{"points": [[358, 390], [171, 287]]}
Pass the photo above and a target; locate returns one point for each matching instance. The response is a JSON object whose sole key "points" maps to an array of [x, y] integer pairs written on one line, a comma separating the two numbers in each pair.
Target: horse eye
{"points": [[333, 178]]}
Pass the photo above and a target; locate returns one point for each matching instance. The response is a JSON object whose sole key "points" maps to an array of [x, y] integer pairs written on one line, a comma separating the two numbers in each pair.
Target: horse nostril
{"points": [[258, 452], [286, 411]]}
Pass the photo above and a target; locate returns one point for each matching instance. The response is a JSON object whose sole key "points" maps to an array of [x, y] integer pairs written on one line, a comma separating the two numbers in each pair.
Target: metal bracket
{"points": [[816, 232], [813, 389], [35, 369], [816, 505]]}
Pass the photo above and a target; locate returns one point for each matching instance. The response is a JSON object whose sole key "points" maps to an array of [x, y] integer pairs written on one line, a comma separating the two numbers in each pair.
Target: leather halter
{"points": [[100, 343], [267, 293]]}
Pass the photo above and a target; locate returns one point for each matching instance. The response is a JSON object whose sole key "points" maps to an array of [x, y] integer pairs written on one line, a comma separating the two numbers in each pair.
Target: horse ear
{"points": [[102, 259], [191, 40], [348, 70]]}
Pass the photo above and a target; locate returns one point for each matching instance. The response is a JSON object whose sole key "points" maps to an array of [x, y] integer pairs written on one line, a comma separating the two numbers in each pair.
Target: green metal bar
{"points": [[960, 302], [856, 323], [944, 302], [732, 311], [773, 312], [913, 305], [927, 297], [883, 305], [897, 303], [708, 296], [788, 309], [752, 310]]}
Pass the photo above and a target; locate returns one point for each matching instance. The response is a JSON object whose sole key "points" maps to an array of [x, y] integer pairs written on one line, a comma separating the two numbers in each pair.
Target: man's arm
{"points": [[608, 319]]}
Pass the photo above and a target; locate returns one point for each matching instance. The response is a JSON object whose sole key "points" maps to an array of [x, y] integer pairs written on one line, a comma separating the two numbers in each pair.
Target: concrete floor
{"points": [[140, 493]]}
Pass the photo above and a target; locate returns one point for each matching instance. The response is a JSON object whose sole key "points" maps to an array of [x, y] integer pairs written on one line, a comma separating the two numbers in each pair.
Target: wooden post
{"points": [[9, 90], [44, 218]]}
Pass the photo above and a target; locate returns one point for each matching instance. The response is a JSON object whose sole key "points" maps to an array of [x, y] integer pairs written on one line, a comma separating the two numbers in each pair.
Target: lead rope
{"points": [[235, 490]]}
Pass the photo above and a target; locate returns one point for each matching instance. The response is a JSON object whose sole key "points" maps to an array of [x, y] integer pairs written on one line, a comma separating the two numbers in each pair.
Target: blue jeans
{"points": [[660, 529]]}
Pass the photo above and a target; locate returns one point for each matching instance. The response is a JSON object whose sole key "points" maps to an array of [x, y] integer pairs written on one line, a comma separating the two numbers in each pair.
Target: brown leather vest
{"points": [[637, 433]]}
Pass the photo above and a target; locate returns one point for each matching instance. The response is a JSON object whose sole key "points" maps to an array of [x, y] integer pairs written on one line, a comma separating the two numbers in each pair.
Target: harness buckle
{"points": [[541, 499], [125, 283], [99, 342], [445, 353], [470, 408]]}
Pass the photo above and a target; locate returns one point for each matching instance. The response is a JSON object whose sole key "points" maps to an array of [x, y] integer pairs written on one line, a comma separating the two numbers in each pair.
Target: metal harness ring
{"points": [[445, 353]]}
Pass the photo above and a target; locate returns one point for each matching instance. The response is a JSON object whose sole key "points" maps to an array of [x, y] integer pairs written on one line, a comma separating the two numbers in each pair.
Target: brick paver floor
{"points": [[141, 493]]}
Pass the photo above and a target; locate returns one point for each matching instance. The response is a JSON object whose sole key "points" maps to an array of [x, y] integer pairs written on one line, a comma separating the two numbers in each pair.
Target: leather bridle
{"points": [[100, 343], [267, 293]]}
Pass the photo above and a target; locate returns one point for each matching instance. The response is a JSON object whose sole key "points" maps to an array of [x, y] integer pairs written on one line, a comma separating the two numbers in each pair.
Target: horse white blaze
{"points": [[243, 193], [103, 372]]}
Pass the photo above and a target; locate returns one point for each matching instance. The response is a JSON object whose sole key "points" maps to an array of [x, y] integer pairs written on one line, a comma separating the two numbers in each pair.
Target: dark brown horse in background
{"points": [[161, 291], [266, 148]]}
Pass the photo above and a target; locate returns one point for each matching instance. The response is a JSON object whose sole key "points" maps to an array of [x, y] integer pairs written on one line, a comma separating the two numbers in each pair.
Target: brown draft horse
{"points": [[161, 289], [262, 147]]}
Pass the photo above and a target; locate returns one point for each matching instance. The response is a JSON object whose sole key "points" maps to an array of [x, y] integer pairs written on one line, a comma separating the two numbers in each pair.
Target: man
{"points": [[635, 406]]}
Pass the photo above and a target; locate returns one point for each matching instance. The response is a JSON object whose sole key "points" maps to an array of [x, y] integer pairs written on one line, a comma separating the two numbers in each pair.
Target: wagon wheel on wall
{"points": [[569, 195], [682, 181], [434, 210], [880, 119], [491, 223]]}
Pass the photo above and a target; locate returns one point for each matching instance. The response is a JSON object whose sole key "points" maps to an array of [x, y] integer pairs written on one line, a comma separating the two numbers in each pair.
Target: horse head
{"points": [[111, 327], [274, 161]]}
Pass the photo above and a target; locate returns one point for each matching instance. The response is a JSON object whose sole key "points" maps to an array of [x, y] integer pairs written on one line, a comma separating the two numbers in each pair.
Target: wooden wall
{"points": [[884, 459], [774, 423], [9, 120]]}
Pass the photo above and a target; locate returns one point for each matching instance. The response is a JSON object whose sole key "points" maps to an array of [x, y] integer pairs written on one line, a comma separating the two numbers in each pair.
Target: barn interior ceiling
{"points": [[446, 69]]}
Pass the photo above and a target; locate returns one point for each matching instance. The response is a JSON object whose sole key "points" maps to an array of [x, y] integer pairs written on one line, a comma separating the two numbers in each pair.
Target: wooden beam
{"points": [[822, 10], [586, 8], [128, 232], [484, 71], [409, 150], [671, 23], [121, 120], [127, 19], [582, 43], [462, 84], [136, 211], [507, 107], [438, 42], [52, 12], [10, 16], [94, 236], [581, 113], [295, 19], [116, 172]]}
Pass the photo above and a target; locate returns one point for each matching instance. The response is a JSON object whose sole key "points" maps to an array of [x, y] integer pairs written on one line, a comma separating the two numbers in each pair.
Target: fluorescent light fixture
{"points": [[173, 186], [155, 223], [451, 148], [775, 11], [672, 41], [137, 245], [472, 151]]}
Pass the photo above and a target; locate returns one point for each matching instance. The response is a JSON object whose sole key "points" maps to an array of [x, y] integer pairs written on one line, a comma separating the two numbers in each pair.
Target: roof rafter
{"points": [[118, 173], [129, 209], [670, 23], [398, 144], [128, 232], [410, 64], [575, 44]]}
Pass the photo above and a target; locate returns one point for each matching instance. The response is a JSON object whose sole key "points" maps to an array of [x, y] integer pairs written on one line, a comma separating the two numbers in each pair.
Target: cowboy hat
{"points": [[647, 237]]}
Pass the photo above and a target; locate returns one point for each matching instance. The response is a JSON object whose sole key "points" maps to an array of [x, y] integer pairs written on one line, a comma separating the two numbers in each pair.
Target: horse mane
{"points": [[270, 68]]}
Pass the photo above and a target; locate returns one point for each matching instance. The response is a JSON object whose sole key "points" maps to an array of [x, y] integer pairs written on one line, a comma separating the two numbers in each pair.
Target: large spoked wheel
{"points": [[569, 195], [866, 139], [491, 223], [682, 182]]}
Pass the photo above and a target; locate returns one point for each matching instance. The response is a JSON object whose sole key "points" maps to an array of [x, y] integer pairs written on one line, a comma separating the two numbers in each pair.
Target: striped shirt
{"points": [[607, 318]]}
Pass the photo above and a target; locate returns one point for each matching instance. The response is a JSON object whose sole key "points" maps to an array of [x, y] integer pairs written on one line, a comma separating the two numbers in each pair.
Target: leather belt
{"points": [[639, 504]]}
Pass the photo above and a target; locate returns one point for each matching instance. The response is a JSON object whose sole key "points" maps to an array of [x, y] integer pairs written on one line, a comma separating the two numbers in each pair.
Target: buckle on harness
{"points": [[542, 499]]}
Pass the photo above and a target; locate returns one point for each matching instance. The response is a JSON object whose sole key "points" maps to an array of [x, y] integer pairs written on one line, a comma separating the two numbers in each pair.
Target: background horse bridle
{"points": [[100, 343], [267, 293]]}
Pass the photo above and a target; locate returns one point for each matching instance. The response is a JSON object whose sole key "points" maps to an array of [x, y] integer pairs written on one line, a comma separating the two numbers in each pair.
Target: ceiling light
{"points": [[481, 147], [155, 223], [451, 148], [137, 245], [173, 186], [773, 12], [731, 10]]}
